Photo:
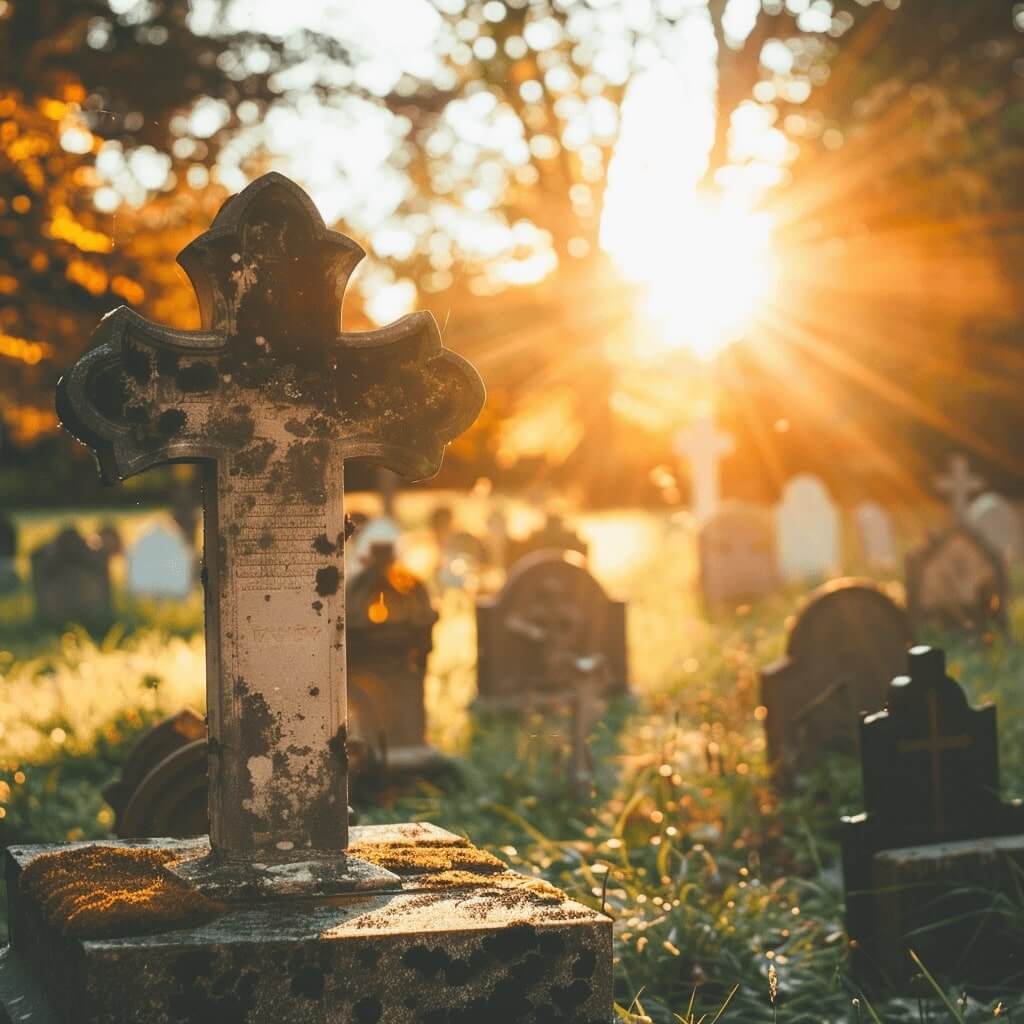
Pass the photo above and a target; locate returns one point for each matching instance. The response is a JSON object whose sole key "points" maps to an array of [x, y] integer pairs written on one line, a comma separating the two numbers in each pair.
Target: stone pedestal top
{"points": [[459, 938]]}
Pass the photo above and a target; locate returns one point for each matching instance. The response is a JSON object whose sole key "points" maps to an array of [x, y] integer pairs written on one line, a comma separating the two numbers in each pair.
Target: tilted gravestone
{"points": [[161, 788], [876, 535], [9, 579], [738, 556], [554, 535], [997, 520], [271, 399], [844, 646], [935, 839], [703, 446], [159, 564], [808, 530], [71, 582], [957, 581], [390, 634], [532, 634]]}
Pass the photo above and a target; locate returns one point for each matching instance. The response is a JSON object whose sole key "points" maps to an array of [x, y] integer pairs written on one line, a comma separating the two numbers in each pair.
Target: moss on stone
{"points": [[421, 858], [94, 892]]}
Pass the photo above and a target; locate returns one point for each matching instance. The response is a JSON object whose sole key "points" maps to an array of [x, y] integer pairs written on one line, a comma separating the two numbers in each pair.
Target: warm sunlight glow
{"points": [[705, 266]]}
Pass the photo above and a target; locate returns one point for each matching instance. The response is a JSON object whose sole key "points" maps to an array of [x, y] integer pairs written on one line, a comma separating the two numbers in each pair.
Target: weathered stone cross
{"points": [[272, 399], [960, 484], [703, 445]]}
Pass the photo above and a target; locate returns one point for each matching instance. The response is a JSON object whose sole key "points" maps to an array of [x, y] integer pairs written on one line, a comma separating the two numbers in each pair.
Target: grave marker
{"points": [[554, 535], [808, 530], [159, 564], [738, 556], [876, 535], [959, 484], [844, 646], [532, 634], [272, 399], [997, 520], [957, 581], [933, 835], [9, 578], [71, 582], [703, 446]]}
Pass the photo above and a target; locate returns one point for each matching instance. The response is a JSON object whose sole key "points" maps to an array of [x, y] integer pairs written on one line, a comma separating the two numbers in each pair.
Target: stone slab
{"points": [[445, 947]]}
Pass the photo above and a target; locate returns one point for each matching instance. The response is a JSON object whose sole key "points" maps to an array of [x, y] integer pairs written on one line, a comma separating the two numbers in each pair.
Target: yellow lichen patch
{"points": [[511, 881], [417, 858], [94, 892]]}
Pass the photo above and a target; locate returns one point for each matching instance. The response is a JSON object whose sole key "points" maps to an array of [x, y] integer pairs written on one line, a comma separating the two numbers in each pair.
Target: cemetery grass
{"points": [[710, 878]]}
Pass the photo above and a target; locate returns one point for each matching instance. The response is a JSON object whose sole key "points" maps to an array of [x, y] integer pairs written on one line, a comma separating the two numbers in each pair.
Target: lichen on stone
{"points": [[94, 892], [421, 858]]}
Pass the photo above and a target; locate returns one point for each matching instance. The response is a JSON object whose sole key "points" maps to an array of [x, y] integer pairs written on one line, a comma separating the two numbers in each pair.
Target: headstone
{"points": [[110, 539], [273, 398], [367, 537], [955, 580], [738, 556], [390, 634], [161, 789], [554, 535], [808, 530], [934, 834], [71, 582], [703, 446], [844, 646], [160, 564], [9, 578], [532, 634], [998, 521], [876, 535], [959, 484]]}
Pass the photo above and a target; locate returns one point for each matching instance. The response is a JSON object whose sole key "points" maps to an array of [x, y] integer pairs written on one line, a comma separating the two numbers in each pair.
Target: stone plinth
{"points": [[459, 939], [917, 886]]}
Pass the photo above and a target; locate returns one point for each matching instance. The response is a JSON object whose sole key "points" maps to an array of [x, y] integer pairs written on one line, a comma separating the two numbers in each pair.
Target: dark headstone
{"points": [[554, 535], [957, 581], [162, 788], [932, 815], [844, 646], [9, 579], [390, 633], [532, 634], [110, 539], [71, 581]]}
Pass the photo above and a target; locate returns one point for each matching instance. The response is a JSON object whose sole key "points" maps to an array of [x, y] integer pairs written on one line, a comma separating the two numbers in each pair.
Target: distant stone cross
{"points": [[935, 744], [272, 398], [960, 484], [704, 446]]}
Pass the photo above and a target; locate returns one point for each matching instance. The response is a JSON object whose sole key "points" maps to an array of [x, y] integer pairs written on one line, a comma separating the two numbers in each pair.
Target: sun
{"points": [[705, 266]]}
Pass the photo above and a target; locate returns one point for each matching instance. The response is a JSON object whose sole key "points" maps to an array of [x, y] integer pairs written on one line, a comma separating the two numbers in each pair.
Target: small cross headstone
{"points": [[738, 556], [161, 788], [808, 530], [71, 582], [958, 484], [704, 446], [997, 520], [876, 535], [957, 581], [9, 579], [844, 646], [390, 634], [932, 825], [271, 398], [549, 614], [159, 564]]}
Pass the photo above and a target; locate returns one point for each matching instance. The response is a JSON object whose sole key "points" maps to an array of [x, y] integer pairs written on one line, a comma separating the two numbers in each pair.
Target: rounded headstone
{"points": [[808, 530], [159, 564], [996, 519]]}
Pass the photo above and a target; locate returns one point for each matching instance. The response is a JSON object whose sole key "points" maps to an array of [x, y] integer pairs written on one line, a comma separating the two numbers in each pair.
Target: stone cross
{"points": [[960, 484], [271, 397], [704, 446]]}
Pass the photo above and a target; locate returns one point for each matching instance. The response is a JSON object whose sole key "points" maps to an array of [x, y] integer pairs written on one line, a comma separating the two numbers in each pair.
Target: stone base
{"points": [[918, 887], [460, 940]]}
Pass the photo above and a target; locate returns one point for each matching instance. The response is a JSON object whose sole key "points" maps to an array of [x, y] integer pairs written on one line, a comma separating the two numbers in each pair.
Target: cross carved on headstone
{"points": [[271, 397], [703, 445], [960, 484]]}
